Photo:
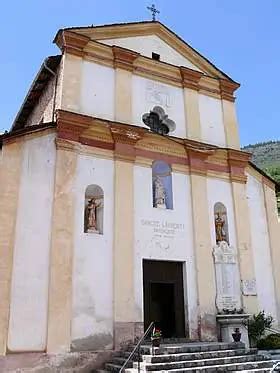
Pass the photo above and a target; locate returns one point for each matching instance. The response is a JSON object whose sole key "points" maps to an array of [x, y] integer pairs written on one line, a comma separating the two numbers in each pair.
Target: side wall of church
{"points": [[165, 235], [43, 111], [92, 309], [30, 276], [261, 247]]}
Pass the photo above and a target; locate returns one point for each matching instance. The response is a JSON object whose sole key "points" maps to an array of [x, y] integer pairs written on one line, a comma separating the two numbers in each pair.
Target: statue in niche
{"points": [[220, 228], [90, 216], [159, 193]]}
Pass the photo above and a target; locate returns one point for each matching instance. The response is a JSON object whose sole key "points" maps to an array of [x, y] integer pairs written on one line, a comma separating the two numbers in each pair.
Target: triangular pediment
{"points": [[148, 37]]}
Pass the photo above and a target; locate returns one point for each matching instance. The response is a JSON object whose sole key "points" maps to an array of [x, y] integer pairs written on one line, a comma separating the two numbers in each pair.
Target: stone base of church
{"points": [[208, 331], [41, 362], [127, 332]]}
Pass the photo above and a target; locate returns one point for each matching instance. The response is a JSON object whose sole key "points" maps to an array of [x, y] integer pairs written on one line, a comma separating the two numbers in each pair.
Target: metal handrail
{"points": [[274, 367], [137, 347]]}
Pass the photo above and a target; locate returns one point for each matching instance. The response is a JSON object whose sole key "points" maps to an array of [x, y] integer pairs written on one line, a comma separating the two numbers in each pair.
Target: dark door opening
{"points": [[163, 308], [164, 297]]}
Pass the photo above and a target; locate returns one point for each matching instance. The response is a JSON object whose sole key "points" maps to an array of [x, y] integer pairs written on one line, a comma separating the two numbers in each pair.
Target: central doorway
{"points": [[164, 297]]}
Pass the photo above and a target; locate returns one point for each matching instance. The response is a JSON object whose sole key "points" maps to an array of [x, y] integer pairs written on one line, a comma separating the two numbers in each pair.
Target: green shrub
{"points": [[257, 325], [270, 342]]}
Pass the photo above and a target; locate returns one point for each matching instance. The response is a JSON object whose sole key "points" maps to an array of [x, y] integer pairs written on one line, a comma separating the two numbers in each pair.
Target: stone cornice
{"points": [[124, 58], [117, 57], [190, 78], [129, 142], [227, 89], [72, 42]]}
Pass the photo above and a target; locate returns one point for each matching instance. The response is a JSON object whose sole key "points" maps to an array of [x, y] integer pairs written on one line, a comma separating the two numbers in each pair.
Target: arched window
{"points": [[162, 185], [94, 208], [221, 223]]}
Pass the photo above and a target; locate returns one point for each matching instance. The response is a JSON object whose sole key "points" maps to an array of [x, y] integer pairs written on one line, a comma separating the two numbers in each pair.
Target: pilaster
{"points": [[60, 286], [10, 174], [229, 113], [125, 326], [123, 63], [244, 244], [190, 81], [203, 247], [71, 82]]}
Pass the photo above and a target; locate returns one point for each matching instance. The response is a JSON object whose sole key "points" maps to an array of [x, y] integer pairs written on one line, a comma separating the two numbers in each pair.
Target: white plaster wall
{"points": [[148, 93], [159, 246], [211, 120], [30, 277], [92, 325], [98, 90], [145, 45], [261, 247]]}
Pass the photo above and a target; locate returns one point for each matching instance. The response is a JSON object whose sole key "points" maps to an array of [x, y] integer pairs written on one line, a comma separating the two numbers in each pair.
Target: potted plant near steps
{"points": [[156, 337]]}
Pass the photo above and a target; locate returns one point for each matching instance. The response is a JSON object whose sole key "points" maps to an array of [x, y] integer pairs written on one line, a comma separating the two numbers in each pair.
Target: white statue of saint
{"points": [[160, 195]]}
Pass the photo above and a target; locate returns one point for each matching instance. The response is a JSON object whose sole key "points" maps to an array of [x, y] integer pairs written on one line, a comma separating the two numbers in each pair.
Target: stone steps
{"points": [[196, 355], [202, 362], [194, 358]]}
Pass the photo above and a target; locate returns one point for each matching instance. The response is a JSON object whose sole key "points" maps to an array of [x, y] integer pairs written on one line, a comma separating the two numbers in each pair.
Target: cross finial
{"points": [[153, 10]]}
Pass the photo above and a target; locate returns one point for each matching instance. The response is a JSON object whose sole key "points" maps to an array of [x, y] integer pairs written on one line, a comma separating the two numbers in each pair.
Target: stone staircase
{"points": [[194, 358]]}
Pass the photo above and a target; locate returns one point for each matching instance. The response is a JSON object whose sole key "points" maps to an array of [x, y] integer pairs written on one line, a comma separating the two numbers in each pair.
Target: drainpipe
{"points": [[55, 87]]}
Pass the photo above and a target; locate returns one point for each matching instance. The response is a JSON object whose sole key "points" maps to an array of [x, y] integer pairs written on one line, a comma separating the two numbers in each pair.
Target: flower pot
{"points": [[236, 335], [155, 342]]}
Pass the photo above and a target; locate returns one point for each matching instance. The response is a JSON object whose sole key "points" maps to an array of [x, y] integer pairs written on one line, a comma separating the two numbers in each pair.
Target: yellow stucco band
{"points": [[192, 115], [273, 229], [204, 261], [71, 83], [123, 95], [244, 244], [230, 124], [123, 243], [60, 286], [10, 173]]}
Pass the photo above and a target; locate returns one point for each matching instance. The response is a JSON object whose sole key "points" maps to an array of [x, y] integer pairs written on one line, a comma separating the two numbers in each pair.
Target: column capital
{"points": [[238, 161], [71, 42], [125, 140], [227, 88], [190, 78], [198, 156], [124, 58]]}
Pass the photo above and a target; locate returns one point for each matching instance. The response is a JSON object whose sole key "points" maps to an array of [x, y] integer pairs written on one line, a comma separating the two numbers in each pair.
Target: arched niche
{"points": [[94, 209], [162, 185], [221, 223]]}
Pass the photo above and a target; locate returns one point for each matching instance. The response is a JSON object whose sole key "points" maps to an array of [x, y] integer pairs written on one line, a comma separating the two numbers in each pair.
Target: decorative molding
{"points": [[190, 78], [238, 161], [124, 58], [152, 28], [227, 89], [72, 42], [129, 142], [118, 57]]}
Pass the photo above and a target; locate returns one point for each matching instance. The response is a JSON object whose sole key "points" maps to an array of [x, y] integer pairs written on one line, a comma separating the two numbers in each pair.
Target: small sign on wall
{"points": [[249, 287]]}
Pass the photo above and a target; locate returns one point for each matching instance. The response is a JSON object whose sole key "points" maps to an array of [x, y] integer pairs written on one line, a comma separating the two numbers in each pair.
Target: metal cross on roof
{"points": [[153, 10]]}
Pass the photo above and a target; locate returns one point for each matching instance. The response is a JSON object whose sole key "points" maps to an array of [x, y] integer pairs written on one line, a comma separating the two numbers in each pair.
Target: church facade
{"points": [[125, 198]]}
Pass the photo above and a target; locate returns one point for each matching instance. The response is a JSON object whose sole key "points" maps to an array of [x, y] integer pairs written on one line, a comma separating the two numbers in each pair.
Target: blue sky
{"points": [[241, 37]]}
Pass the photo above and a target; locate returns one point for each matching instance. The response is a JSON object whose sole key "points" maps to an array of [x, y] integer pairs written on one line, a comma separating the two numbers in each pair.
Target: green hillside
{"points": [[266, 155]]}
